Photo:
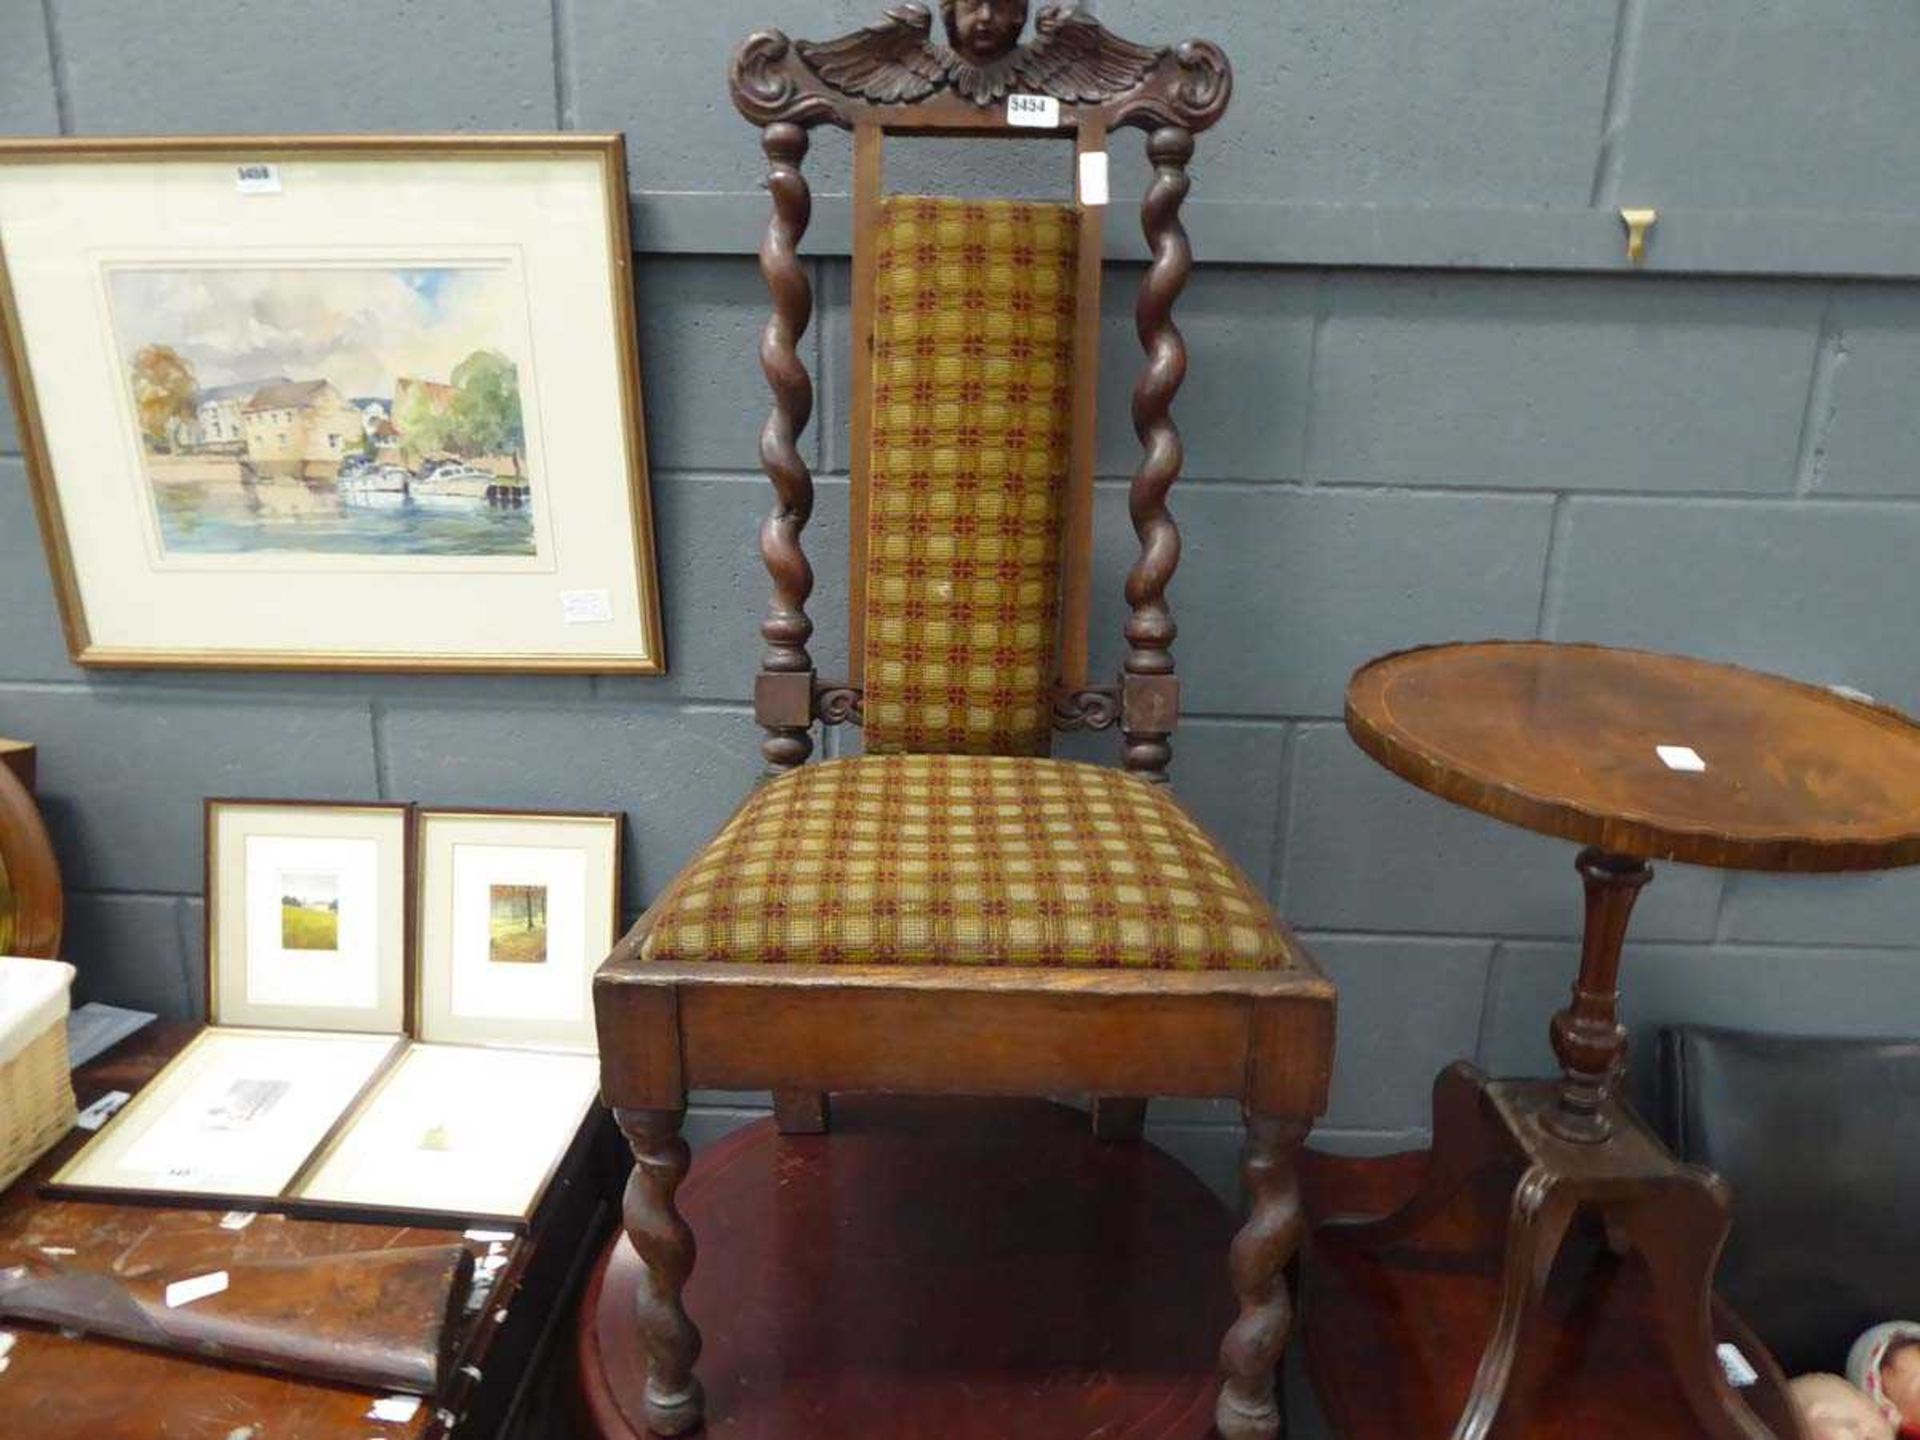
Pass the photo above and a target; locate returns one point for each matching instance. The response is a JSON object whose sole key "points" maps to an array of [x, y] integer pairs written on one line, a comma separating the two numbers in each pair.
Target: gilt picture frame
{"points": [[515, 912], [333, 402]]}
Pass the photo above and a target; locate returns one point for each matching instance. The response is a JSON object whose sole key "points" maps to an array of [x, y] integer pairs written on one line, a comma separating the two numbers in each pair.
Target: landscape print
{"points": [[518, 929], [328, 411], [309, 910]]}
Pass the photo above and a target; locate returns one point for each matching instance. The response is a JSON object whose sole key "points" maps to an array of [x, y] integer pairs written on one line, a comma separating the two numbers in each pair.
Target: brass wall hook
{"points": [[1638, 222]]}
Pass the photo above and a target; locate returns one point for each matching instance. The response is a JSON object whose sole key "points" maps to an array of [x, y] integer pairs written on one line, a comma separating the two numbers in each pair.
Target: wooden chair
{"points": [[953, 912], [32, 903]]}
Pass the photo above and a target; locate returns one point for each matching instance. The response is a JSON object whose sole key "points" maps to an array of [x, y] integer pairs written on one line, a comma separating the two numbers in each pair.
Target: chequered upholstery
{"points": [[965, 860], [972, 410]]}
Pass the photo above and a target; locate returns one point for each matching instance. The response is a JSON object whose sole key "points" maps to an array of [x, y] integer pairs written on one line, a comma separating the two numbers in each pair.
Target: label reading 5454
{"points": [[1042, 112]]}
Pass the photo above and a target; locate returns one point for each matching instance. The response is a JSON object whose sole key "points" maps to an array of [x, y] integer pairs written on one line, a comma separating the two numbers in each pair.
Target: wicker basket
{"points": [[36, 1090]]}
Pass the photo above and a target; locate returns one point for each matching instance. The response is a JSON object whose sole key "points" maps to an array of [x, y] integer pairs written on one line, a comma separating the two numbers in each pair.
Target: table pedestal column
{"points": [[1579, 1149]]}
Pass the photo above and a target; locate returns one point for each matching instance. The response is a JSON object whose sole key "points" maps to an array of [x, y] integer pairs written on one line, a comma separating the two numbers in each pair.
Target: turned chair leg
{"points": [[801, 1112], [1249, 1408], [663, 1240], [1119, 1117]]}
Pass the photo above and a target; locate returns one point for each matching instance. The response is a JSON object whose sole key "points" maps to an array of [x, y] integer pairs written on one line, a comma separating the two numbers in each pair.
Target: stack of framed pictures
{"points": [[401, 1015]]}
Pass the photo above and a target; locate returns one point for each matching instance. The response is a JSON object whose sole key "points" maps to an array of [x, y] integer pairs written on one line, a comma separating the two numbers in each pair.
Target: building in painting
{"points": [[302, 428], [220, 414], [376, 416]]}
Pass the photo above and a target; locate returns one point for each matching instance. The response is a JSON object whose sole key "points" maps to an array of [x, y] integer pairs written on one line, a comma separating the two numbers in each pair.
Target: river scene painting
{"points": [[328, 410]]}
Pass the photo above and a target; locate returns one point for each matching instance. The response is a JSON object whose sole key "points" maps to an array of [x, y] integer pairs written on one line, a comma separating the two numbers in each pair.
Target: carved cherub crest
{"points": [[1071, 57]]}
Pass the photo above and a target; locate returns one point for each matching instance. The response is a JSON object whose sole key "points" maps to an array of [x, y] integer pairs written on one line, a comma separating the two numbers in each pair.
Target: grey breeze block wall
{"points": [[1427, 401]]}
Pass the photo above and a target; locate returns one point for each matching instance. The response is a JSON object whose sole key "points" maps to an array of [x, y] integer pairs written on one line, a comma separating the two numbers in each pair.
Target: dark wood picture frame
{"points": [[417, 875]]}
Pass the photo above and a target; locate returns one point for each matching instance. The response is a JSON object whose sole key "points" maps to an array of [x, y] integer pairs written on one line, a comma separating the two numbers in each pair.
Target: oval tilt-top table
{"points": [[1639, 757]]}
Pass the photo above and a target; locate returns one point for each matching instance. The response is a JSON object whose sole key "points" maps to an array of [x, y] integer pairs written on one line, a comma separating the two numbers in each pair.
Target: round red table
{"points": [[934, 1268]]}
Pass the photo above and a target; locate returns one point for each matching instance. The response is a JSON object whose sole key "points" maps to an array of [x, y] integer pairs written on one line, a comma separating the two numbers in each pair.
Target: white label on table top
{"points": [[1848, 692], [586, 607], [238, 1219], [7, 1338], [1038, 112], [185, 1292], [397, 1408], [101, 1110], [488, 1236], [1680, 757], [1740, 1372], [1093, 178], [257, 177]]}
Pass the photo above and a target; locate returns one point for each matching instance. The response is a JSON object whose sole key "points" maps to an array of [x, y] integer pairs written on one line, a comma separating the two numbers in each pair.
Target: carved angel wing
{"points": [[889, 64], [1078, 60]]}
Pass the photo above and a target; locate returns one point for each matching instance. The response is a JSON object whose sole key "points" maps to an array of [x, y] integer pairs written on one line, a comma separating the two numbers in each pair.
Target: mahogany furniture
{"points": [[1639, 756], [1394, 1337], [62, 1388], [953, 911], [951, 1267], [32, 903]]}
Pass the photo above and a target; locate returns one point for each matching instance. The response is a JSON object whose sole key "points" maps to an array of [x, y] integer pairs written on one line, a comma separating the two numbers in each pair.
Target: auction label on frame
{"points": [[1039, 112], [586, 607], [256, 177]]}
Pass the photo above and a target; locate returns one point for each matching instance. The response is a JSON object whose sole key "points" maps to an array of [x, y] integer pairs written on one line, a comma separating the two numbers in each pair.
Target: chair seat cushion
{"points": [[965, 860]]}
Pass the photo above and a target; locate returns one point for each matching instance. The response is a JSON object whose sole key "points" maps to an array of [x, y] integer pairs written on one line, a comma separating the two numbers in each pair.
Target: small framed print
{"points": [[516, 913], [236, 1115], [453, 1130], [307, 915]]}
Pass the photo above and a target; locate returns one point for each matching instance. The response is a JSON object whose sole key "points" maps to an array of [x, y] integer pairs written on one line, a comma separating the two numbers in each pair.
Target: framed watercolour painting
{"points": [[307, 915], [335, 402], [516, 913]]}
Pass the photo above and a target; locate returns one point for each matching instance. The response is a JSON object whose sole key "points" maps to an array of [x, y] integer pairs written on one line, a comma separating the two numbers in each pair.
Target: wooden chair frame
{"points": [[26, 853], [802, 1031]]}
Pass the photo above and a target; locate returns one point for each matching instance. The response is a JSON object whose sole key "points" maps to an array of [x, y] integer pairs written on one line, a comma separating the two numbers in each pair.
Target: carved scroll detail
{"points": [[662, 1239], [840, 704], [1094, 709], [1261, 1252], [771, 84], [1190, 89], [786, 628], [1150, 628], [896, 63]]}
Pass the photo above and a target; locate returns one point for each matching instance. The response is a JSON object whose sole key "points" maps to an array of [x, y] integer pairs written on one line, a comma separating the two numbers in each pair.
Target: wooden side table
{"points": [[1639, 757]]}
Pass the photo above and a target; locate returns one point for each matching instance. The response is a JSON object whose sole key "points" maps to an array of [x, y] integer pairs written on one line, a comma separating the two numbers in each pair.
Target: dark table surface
{"points": [[64, 1387]]}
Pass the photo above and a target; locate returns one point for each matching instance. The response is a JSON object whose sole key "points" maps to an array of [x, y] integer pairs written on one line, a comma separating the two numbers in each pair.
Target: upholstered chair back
{"points": [[971, 406], [975, 331]]}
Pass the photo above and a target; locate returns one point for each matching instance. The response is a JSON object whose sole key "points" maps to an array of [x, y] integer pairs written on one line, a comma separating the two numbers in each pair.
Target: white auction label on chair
{"points": [[1093, 178], [1039, 112]]}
